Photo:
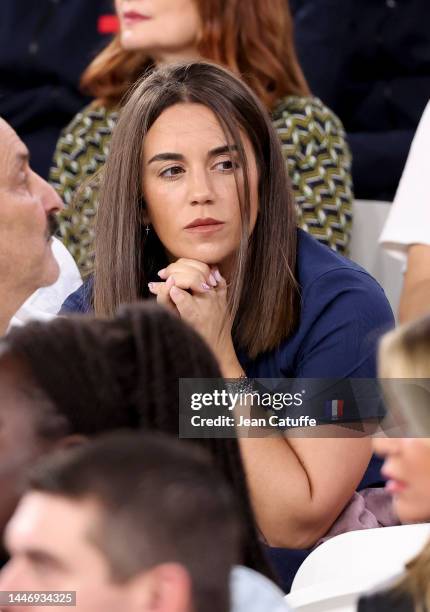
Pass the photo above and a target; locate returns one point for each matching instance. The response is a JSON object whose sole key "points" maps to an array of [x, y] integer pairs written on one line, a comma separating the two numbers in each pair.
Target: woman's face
{"points": [[407, 466], [166, 30], [189, 186]]}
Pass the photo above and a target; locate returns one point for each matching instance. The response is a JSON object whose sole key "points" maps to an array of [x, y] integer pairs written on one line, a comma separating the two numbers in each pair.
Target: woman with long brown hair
{"points": [[254, 39], [404, 366], [196, 209]]}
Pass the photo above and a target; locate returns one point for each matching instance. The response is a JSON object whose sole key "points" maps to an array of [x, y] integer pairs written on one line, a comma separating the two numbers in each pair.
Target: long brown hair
{"points": [[405, 353], [253, 38], [265, 308]]}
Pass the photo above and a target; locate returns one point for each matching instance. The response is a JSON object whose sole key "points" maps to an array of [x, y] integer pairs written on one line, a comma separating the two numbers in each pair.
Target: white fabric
{"points": [[253, 592], [409, 219], [336, 573], [369, 220], [44, 304]]}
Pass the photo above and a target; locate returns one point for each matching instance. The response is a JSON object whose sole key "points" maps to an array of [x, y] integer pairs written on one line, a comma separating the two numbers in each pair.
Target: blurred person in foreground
{"points": [[405, 372], [28, 220], [102, 375], [151, 527], [254, 39]]}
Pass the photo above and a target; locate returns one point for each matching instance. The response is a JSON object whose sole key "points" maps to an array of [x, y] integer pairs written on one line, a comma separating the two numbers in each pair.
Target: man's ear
{"points": [[164, 588]]}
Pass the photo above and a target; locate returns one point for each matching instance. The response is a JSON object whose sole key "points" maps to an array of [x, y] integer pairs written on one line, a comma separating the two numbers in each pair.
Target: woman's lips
{"points": [[205, 229], [132, 17], [395, 486]]}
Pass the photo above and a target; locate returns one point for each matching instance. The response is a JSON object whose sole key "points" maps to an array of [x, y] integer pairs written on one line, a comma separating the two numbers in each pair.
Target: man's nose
{"points": [[51, 201]]}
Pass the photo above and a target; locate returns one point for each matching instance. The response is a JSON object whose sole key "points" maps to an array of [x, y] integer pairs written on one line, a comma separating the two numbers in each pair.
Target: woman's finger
{"points": [[161, 290], [184, 302], [221, 282], [188, 266], [189, 280]]}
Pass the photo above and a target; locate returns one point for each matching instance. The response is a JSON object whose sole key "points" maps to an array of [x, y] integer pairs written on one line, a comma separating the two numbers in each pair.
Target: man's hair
{"points": [[87, 376], [160, 501]]}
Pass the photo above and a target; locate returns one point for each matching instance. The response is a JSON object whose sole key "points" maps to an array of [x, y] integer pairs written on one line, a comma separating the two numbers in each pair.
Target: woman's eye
{"points": [[226, 165], [172, 172]]}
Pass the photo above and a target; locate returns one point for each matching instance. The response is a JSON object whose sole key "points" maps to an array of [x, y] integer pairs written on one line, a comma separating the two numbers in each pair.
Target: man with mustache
{"points": [[28, 207]]}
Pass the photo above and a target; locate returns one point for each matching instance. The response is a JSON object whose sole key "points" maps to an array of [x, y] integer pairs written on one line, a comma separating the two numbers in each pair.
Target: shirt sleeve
{"points": [[80, 301], [409, 218], [341, 333]]}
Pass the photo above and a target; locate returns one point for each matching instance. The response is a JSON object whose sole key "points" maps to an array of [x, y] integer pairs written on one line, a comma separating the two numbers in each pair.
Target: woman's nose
{"points": [[386, 446], [201, 191]]}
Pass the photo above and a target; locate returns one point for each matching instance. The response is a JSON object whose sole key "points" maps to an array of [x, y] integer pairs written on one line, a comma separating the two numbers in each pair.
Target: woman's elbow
{"points": [[302, 533]]}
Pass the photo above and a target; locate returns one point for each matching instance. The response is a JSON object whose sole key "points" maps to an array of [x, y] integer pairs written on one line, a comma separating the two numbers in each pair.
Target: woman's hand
{"points": [[199, 294]]}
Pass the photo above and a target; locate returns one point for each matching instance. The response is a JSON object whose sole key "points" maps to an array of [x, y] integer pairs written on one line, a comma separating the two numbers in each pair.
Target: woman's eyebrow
{"points": [[222, 150], [166, 157], [179, 157]]}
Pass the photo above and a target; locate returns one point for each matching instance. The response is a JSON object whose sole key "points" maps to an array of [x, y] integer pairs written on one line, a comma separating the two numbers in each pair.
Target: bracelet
{"points": [[242, 384]]}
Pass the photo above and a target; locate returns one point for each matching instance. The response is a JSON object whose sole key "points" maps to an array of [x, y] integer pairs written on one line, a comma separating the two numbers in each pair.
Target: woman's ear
{"points": [[144, 217], [143, 212]]}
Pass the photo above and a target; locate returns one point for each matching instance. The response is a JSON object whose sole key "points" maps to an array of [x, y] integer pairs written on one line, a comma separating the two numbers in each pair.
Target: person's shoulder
{"points": [[316, 261], [332, 283], [309, 114], [80, 301], [253, 592], [91, 119]]}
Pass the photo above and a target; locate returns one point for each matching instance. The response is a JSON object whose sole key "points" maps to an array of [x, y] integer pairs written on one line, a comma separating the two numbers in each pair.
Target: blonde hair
{"points": [[405, 353]]}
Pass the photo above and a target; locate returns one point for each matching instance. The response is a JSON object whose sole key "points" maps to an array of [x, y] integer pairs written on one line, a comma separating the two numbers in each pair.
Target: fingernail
{"points": [[218, 275], [161, 272], [206, 286], [212, 280], [150, 286]]}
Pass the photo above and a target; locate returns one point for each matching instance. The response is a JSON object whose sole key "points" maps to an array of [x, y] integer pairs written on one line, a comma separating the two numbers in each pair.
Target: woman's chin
{"points": [[210, 257], [409, 513]]}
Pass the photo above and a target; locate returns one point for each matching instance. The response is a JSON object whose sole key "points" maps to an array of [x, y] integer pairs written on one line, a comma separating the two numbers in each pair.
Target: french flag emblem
{"points": [[334, 409]]}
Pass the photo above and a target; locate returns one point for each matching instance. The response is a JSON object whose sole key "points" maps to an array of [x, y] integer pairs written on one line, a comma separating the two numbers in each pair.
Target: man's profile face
{"points": [[49, 542], [20, 445], [27, 218]]}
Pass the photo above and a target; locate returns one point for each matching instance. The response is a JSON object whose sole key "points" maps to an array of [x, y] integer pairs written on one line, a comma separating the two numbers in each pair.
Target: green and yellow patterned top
{"points": [[313, 143]]}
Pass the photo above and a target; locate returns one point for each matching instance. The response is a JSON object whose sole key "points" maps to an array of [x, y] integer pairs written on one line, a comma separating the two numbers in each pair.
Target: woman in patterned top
{"points": [[253, 39]]}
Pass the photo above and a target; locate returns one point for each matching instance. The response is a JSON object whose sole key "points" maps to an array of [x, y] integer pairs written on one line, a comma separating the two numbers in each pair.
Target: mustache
{"points": [[52, 225]]}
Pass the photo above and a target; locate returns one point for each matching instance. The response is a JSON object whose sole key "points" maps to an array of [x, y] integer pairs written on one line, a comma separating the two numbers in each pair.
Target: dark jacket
{"points": [[44, 47], [369, 61]]}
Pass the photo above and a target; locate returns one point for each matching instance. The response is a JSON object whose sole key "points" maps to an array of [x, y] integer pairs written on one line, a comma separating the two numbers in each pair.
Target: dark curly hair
{"points": [[98, 375]]}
